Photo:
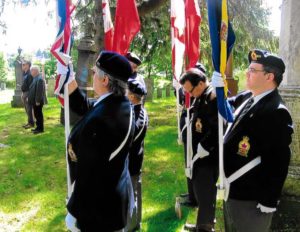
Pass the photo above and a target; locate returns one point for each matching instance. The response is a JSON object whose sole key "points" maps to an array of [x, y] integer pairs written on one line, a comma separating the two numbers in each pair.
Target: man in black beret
{"points": [[135, 62], [256, 147], [98, 149], [136, 92]]}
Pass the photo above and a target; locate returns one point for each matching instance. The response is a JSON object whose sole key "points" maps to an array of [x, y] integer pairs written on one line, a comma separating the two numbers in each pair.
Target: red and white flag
{"points": [[108, 26], [127, 25], [177, 34], [192, 32]]}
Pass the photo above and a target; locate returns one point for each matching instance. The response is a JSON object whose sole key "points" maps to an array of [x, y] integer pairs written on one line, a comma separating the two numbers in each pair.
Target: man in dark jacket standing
{"points": [[256, 148], [36, 98], [203, 166], [27, 80], [98, 149], [136, 92]]}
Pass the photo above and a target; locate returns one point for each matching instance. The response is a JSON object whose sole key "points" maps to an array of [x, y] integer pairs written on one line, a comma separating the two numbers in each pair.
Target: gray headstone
{"points": [[17, 101]]}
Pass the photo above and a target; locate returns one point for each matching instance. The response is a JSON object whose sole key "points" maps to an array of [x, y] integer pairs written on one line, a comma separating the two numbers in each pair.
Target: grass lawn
{"points": [[33, 176]]}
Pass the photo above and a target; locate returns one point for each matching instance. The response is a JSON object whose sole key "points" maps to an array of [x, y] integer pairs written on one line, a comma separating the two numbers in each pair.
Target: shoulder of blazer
{"points": [[237, 100]]}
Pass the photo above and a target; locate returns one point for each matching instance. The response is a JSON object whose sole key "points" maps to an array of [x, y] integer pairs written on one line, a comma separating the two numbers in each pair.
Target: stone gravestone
{"points": [[17, 100], [287, 218], [50, 87], [168, 90], [159, 92], [150, 85]]}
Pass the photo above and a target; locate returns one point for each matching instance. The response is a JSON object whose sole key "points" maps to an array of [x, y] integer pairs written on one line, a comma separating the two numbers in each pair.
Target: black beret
{"points": [[201, 67], [136, 87], [133, 58], [115, 65], [267, 59]]}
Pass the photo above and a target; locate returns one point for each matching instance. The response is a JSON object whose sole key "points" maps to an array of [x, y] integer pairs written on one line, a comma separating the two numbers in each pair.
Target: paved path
{"points": [[6, 96]]}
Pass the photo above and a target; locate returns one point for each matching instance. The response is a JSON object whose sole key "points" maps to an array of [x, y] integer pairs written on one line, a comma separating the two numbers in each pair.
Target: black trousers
{"points": [[204, 185], [38, 114]]}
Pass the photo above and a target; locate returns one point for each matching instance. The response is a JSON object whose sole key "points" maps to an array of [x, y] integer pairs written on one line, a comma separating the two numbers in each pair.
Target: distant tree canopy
{"points": [[153, 42], [3, 68]]}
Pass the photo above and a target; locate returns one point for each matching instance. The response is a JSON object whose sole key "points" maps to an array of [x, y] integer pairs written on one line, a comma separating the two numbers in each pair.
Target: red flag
{"points": [[108, 26], [192, 33], [127, 24]]}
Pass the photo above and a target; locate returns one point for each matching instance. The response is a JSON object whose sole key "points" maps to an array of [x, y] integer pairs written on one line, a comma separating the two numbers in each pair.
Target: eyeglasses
{"points": [[253, 70], [191, 91]]}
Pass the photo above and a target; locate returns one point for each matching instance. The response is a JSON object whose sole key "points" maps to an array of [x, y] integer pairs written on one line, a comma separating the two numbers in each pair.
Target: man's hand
{"points": [[72, 86], [37, 103], [265, 209], [72, 154]]}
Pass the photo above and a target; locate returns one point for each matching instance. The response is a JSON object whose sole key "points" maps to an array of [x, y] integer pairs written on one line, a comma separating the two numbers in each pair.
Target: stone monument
{"points": [[17, 100], [86, 60]]}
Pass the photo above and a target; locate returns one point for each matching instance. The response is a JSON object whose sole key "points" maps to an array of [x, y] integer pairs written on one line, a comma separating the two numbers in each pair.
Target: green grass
{"points": [[33, 176]]}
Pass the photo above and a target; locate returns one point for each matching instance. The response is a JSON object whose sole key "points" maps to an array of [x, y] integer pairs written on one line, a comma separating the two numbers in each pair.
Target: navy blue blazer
{"points": [[101, 193], [266, 131]]}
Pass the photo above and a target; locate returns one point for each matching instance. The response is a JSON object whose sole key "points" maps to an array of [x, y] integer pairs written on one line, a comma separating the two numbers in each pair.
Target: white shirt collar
{"points": [[102, 97], [260, 96]]}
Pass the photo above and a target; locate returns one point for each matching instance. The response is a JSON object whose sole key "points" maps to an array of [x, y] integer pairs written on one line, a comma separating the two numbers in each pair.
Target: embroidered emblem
{"points": [[198, 125], [224, 31], [254, 56], [244, 146]]}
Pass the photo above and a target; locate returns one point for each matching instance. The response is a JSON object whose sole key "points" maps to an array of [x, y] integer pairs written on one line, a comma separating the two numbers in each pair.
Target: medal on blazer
{"points": [[198, 125], [244, 146]]}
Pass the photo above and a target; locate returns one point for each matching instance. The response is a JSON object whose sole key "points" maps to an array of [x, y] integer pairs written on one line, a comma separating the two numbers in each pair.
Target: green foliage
{"points": [[153, 44], [3, 71]]}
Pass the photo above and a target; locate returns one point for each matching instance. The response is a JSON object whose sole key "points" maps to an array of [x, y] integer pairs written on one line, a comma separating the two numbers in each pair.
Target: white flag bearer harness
{"points": [[246, 168]]}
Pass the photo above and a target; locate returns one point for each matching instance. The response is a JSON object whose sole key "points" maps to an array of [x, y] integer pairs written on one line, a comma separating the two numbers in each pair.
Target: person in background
{"points": [[256, 147], [135, 62], [36, 98], [136, 92], [204, 163], [98, 148], [27, 80]]}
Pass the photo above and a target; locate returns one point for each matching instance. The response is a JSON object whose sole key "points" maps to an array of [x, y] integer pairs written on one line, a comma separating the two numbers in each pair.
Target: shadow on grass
{"points": [[165, 219], [57, 224]]}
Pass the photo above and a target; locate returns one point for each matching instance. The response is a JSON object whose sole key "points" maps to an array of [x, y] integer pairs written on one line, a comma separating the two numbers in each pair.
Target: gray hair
{"points": [[35, 67], [116, 86]]}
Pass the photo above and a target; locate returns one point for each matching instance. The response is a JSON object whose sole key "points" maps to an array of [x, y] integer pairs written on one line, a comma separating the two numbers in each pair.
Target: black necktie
{"points": [[242, 113], [246, 108]]}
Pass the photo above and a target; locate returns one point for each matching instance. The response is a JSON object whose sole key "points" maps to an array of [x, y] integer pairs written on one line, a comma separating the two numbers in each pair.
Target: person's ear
{"points": [[105, 80], [270, 76]]}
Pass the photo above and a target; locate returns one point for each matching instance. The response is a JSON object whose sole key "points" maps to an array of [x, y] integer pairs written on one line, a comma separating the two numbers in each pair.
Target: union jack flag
{"points": [[62, 45]]}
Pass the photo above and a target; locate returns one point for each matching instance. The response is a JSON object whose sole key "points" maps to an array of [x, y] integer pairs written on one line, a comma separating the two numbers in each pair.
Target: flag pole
{"points": [[223, 62], [179, 139], [67, 132], [221, 151]]}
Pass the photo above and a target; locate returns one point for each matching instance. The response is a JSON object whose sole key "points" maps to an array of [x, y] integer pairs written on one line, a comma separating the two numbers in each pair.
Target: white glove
{"points": [[72, 73], [265, 209], [61, 69], [176, 84], [217, 80], [71, 223], [201, 151]]}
